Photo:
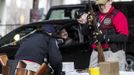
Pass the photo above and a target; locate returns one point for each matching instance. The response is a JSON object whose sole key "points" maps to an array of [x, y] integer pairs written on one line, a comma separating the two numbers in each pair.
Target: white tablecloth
{"points": [[76, 73]]}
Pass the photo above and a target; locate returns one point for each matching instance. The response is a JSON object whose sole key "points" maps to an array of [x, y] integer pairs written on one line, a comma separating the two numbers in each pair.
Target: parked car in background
{"points": [[64, 16]]}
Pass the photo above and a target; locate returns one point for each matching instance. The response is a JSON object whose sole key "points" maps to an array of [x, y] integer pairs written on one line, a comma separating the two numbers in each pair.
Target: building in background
{"points": [[13, 13], [37, 12]]}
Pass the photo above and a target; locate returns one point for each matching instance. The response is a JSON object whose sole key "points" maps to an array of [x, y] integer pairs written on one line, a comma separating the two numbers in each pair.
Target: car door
{"points": [[77, 52]]}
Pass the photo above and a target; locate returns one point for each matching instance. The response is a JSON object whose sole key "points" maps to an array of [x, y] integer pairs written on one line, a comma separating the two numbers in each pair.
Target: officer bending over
{"points": [[38, 46]]}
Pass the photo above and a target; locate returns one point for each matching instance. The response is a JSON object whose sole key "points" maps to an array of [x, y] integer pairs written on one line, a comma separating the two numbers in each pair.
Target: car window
{"points": [[62, 14], [25, 32], [57, 14], [72, 32]]}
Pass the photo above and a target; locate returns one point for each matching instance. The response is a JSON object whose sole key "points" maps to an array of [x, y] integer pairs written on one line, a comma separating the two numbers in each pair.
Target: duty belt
{"points": [[107, 49]]}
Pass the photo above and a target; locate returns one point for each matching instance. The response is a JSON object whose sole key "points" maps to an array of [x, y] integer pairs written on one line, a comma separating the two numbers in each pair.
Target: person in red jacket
{"points": [[114, 27]]}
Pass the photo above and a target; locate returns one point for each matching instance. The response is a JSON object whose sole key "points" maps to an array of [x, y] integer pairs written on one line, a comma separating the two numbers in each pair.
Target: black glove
{"points": [[100, 38], [60, 41]]}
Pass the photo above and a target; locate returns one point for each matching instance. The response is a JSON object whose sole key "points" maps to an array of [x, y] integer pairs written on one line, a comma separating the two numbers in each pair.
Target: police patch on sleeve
{"points": [[107, 21], [56, 44]]}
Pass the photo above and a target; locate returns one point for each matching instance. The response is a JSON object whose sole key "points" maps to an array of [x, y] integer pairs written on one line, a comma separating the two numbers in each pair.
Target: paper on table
{"points": [[126, 73], [68, 66], [76, 73]]}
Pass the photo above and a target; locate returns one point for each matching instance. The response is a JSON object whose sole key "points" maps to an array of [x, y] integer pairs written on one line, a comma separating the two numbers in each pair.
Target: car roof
{"points": [[67, 6]]}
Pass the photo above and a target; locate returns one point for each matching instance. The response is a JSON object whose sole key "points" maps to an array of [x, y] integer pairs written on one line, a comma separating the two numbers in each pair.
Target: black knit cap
{"points": [[48, 28]]}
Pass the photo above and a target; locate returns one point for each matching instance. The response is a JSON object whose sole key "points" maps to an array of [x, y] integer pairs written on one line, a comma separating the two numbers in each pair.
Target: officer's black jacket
{"points": [[37, 47]]}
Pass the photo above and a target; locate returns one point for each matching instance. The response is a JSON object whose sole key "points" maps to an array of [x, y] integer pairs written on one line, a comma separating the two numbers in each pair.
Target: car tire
{"points": [[130, 63]]}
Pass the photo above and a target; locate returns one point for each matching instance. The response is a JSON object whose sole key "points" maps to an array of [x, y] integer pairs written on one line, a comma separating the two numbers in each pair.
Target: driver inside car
{"points": [[64, 35]]}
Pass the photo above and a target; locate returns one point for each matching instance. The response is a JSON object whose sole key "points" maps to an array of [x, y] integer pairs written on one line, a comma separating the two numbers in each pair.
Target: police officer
{"points": [[114, 27], [38, 46]]}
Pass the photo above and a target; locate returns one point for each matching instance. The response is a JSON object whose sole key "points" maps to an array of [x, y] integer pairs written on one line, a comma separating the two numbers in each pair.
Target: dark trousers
{"points": [[55, 60]]}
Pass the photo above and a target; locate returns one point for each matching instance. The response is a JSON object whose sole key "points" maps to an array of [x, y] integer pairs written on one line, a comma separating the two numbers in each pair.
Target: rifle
{"points": [[92, 20]]}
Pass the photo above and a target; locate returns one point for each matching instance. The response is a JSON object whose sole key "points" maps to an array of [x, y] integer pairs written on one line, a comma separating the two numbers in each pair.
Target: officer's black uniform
{"points": [[39, 46]]}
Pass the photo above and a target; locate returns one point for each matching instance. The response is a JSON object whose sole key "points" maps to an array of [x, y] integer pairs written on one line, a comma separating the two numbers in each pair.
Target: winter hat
{"points": [[48, 28]]}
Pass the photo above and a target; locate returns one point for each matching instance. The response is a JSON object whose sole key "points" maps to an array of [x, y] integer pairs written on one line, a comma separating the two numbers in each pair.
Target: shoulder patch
{"points": [[56, 43]]}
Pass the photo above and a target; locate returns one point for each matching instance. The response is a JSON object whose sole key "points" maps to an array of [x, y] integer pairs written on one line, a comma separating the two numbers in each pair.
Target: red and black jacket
{"points": [[114, 26]]}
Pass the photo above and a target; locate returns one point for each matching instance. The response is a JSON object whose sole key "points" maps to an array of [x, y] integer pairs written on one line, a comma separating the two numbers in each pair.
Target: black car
{"points": [[65, 17], [77, 53]]}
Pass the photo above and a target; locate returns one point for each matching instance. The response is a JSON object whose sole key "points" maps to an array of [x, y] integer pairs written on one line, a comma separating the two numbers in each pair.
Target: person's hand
{"points": [[83, 19], [90, 18], [100, 37]]}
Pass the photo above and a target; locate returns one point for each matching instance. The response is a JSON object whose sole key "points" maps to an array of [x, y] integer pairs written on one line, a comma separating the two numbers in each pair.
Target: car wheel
{"points": [[130, 63]]}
